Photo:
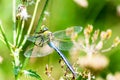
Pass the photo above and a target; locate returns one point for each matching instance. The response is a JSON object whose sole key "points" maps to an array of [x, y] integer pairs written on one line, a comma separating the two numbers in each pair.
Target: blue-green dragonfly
{"points": [[45, 42]]}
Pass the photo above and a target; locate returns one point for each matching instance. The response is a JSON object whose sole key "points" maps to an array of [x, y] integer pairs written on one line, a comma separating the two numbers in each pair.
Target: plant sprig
{"points": [[18, 42]]}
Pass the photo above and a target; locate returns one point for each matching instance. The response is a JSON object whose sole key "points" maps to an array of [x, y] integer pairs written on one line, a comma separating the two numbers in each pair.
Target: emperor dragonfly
{"points": [[45, 42]]}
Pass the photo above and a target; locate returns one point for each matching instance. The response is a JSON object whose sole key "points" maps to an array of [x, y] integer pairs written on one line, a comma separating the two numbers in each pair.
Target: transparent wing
{"points": [[40, 49], [63, 45], [67, 33], [62, 41], [31, 37], [37, 51], [63, 38]]}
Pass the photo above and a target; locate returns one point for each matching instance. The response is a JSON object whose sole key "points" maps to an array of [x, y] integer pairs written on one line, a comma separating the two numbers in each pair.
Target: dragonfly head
{"points": [[44, 28]]}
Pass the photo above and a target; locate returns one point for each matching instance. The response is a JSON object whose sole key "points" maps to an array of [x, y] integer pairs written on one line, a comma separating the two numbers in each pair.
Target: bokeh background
{"points": [[102, 14]]}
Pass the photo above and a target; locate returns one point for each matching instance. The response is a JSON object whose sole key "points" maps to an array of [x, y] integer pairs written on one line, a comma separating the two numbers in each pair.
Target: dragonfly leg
{"points": [[39, 45], [38, 32], [41, 42]]}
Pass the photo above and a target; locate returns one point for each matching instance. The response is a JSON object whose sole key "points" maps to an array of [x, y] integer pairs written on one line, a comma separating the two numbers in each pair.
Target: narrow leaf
{"points": [[32, 74]]}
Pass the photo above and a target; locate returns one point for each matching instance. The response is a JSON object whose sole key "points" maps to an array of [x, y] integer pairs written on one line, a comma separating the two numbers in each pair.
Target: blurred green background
{"points": [[102, 14]]}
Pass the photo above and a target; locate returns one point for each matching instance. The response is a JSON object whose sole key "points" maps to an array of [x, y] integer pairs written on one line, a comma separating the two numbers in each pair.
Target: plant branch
{"points": [[14, 22], [4, 41], [25, 63], [42, 16], [19, 23], [21, 31], [4, 36]]}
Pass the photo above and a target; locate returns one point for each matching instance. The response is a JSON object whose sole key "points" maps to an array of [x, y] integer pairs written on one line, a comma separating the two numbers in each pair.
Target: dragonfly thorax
{"points": [[43, 38], [48, 35]]}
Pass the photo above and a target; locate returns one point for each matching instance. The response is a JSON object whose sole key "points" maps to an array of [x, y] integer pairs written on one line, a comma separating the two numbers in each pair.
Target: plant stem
{"points": [[19, 23], [31, 24], [14, 22], [25, 62], [4, 41], [108, 49], [21, 31], [4, 36], [42, 16], [89, 76]]}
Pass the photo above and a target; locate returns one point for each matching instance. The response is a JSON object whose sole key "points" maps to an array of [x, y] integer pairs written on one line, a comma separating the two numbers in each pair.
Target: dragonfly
{"points": [[45, 42]]}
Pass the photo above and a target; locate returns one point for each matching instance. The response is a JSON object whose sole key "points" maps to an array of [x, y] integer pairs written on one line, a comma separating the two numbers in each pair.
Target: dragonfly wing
{"points": [[34, 37], [63, 45], [38, 51], [63, 38], [31, 38], [67, 33]]}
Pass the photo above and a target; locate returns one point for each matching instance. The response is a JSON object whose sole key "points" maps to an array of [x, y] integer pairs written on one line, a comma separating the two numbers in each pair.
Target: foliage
{"points": [[29, 15]]}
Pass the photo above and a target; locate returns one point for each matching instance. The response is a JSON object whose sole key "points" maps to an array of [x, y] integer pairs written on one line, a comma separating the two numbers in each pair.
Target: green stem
{"points": [[42, 16], [25, 62], [5, 39], [21, 31], [2, 39], [16, 63], [31, 24], [19, 22], [14, 22]]}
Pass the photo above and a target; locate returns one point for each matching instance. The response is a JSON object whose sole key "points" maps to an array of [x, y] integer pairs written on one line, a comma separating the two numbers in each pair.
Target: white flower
{"points": [[22, 12]]}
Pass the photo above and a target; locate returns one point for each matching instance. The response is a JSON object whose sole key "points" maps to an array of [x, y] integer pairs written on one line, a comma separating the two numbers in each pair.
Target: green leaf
{"points": [[80, 78], [32, 74]]}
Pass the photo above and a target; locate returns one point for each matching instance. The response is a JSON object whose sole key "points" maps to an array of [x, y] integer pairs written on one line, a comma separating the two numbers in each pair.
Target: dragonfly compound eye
{"points": [[44, 28]]}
